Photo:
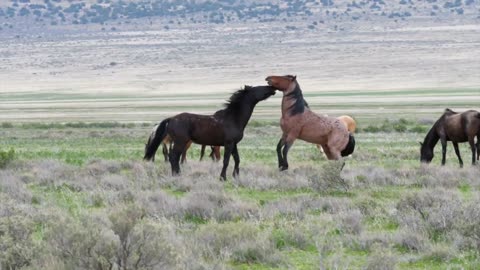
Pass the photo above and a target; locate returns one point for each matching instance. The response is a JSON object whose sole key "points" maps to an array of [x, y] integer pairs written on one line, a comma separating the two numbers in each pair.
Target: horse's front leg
{"points": [[287, 146], [280, 144], [236, 158], [444, 149], [226, 160], [457, 152]]}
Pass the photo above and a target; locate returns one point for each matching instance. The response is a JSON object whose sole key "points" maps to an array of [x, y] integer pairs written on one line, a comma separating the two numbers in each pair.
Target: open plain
{"points": [[77, 108]]}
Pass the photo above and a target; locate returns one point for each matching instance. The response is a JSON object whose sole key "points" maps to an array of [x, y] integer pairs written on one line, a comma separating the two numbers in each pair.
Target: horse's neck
{"points": [[288, 101], [432, 137], [242, 116]]}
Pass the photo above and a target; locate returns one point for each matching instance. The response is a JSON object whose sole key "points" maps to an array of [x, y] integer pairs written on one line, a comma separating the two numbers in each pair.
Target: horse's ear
{"points": [[421, 144], [294, 78], [247, 86]]}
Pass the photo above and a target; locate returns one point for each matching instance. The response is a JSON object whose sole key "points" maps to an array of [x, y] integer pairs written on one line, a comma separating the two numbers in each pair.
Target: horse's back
{"points": [[459, 127]]}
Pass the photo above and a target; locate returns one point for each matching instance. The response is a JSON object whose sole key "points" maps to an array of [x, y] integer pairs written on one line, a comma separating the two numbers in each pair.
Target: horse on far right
{"points": [[457, 128]]}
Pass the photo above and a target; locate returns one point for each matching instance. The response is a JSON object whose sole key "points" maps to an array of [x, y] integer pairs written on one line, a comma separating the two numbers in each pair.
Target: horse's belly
{"points": [[212, 139], [313, 136]]}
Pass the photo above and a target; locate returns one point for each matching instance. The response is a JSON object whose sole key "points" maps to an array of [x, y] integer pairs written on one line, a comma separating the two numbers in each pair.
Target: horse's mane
{"points": [[300, 102], [236, 100]]}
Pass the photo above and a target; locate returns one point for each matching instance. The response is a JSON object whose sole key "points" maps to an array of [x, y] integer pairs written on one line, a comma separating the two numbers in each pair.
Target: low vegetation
{"points": [[91, 203]]}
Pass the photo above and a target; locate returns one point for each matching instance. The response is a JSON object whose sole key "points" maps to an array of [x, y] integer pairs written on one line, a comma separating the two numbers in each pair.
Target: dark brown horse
{"points": [[224, 128], [298, 121], [167, 146], [454, 127]]}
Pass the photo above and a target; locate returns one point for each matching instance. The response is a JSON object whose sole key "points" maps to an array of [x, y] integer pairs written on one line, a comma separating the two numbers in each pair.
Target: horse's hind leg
{"points": [[473, 148], [216, 153], [165, 151], [236, 158], [478, 147], [202, 152], [457, 152], [184, 152]]}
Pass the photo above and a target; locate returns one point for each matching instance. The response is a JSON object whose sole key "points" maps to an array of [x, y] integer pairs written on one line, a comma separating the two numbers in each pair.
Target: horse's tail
{"points": [[350, 146], [155, 141]]}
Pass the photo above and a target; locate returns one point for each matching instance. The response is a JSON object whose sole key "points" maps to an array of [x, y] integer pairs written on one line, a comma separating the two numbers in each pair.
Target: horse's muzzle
{"points": [[269, 80]]}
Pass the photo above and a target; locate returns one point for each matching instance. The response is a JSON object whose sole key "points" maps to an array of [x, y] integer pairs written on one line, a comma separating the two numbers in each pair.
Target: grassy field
{"points": [[78, 195], [77, 107]]}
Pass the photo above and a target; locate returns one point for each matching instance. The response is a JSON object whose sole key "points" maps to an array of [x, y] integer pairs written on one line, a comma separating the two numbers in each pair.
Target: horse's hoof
{"points": [[283, 168]]}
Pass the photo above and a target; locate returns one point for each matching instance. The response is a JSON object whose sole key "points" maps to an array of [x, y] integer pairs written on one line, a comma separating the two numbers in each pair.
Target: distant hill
{"points": [[58, 12]]}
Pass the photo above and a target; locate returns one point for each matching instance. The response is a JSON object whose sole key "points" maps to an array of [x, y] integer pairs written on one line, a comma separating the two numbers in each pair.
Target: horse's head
{"points": [[281, 83], [426, 153], [260, 93], [148, 146]]}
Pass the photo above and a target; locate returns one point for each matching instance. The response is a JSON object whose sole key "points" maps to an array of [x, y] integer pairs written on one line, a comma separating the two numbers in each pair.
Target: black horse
{"points": [[455, 127], [224, 128]]}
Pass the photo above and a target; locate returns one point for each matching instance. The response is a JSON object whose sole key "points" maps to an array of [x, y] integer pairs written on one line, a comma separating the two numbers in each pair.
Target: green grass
{"points": [[396, 153]]}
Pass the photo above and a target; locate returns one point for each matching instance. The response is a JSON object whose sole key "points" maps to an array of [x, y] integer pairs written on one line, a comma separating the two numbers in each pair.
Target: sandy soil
{"points": [[146, 75]]}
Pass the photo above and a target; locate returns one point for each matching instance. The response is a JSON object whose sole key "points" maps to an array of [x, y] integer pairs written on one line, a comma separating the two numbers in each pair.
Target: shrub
{"points": [[84, 244], [13, 187], [418, 129], [381, 261], [440, 253], [434, 211], [350, 222], [469, 223], [329, 177], [410, 241], [6, 157], [17, 246], [7, 125], [238, 242]]}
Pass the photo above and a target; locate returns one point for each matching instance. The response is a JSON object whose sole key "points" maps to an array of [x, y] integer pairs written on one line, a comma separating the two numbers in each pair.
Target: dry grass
{"points": [[118, 210]]}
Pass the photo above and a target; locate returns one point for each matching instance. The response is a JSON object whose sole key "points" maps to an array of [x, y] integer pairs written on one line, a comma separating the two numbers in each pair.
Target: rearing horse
{"points": [[298, 121]]}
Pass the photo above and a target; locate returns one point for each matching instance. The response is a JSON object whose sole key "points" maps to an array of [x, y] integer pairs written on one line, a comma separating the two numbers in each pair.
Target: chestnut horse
{"points": [[167, 145], [224, 128], [298, 121], [454, 127]]}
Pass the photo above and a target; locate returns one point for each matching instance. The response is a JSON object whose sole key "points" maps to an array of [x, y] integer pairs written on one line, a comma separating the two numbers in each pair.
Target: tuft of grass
{"points": [[6, 157]]}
